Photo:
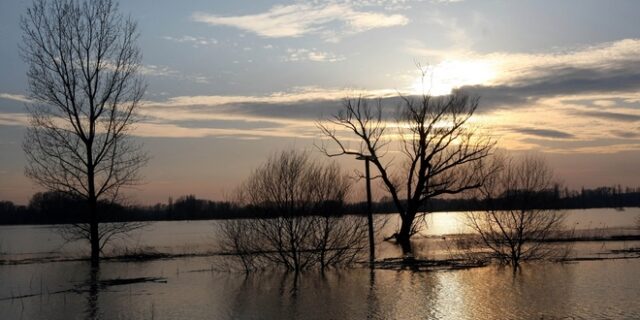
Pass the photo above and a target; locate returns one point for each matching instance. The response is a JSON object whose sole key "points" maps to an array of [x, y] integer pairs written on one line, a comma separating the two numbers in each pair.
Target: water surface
{"points": [[193, 288]]}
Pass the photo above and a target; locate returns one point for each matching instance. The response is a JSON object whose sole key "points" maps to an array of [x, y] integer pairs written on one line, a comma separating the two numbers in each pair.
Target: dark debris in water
{"points": [[139, 257], [615, 254], [39, 260], [129, 257], [627, 251], [97, 285], [119, 281], [413, 264]]}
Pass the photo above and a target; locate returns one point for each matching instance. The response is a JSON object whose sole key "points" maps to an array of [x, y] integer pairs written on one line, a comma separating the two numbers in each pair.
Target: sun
{"points": [[447, 75]]}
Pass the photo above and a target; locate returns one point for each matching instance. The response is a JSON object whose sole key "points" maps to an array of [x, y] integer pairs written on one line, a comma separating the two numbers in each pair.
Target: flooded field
{"points": [[194, 288]]}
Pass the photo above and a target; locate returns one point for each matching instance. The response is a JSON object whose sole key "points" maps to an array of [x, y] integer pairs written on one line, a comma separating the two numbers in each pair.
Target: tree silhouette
{"points": [[84, 78], [441, 153], [296, 203], [515, 225]]}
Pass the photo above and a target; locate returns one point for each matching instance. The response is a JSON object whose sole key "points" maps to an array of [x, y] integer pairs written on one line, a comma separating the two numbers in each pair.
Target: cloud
{"points": [[196, 42], [296, 95], [312, 55], [604, 103], [299, 19], [625, 134], [170, 130], [607, 148], [602, 68], [608, 115], [158, 71], [544, 133], [280, 114], [553, 101], [14, 119], [15, 97], [555, 124], [164, 71], [518, 79]]}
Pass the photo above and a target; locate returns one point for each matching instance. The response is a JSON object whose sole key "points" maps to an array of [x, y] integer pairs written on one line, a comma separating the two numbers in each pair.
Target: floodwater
{"points": [[192, 288]]}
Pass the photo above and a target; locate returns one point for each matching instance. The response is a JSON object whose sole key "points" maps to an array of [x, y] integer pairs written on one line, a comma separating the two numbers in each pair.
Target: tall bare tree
{"points": [[517, 221], [441, 153], [84, 77]]}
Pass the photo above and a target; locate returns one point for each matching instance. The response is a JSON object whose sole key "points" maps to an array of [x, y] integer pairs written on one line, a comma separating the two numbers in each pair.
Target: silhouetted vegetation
{"points": [[440, 153], [52, 208], [83, 71], [517, 227], [297, 204]]}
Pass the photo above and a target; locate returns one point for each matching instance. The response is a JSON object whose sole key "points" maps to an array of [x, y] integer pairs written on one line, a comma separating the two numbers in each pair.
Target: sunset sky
{"points": [[231, 82]]}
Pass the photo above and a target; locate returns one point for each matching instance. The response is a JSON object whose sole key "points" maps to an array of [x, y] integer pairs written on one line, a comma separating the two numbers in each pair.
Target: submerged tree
{"points": [[84, 79], [441, 154], [517, 222], [298, 224]]}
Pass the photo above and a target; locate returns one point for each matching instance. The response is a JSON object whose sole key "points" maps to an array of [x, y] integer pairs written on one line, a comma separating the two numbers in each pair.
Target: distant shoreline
{"points": [[215, 216]]}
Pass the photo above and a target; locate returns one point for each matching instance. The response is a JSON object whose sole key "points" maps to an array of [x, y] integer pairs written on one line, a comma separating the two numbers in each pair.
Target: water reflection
{"points": [[372, 297], [597, 289], [534, 292], [337, 294], [93, 284]]}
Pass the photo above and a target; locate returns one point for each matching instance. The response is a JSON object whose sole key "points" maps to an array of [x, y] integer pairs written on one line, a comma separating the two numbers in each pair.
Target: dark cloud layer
{"points": [[609, 115], [558, 82], [616, 76], [307, 110], [227, 124], [545, 133]]}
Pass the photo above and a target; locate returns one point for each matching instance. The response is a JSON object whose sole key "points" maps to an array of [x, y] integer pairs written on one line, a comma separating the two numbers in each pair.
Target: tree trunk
{"points": [[404, 236], [94, 238]]}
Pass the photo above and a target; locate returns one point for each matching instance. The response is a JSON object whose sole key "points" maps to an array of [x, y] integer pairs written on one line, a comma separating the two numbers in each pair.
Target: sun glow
{"points": [[440, 79]]}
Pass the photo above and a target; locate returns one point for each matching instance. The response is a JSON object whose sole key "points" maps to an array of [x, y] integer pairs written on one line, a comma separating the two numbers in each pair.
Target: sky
{"points": [[232, 82]]}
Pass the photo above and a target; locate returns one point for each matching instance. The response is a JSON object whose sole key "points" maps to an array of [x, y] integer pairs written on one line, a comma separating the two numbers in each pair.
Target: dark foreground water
{"points": [[586, 290], [191, 288]]}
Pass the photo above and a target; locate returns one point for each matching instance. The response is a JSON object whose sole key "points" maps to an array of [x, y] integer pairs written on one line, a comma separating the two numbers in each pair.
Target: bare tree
{"points": [[517, 224], [296, 203], [84, 77], [441, 154]]}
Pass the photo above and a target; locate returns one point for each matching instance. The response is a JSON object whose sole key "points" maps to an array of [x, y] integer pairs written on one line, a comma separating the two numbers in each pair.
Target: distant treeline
{"points": [[56, 208]]}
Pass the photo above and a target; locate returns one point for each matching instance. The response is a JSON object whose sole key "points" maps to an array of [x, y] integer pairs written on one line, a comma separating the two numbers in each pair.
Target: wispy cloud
{"points": [[165, 71], [14, 119], [279, 114], [296, 95], [172, 130], [625, 134], [312, 55], [299, 19], [158, 71], [14, 97], [544, 133], [196, 42], [606, 147], [608, 115]]}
